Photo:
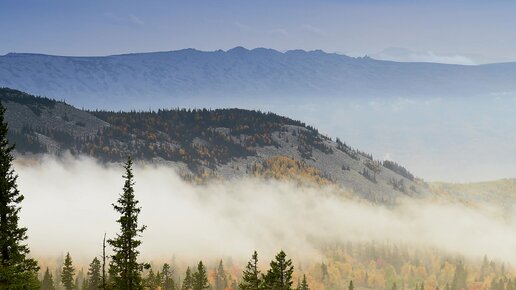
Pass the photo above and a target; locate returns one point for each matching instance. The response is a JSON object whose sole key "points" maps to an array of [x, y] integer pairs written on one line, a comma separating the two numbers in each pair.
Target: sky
{"points": [[452, 31]]}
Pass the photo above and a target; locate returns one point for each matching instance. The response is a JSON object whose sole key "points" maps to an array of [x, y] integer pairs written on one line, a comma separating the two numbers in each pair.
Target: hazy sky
{"points": [[450, 31]]}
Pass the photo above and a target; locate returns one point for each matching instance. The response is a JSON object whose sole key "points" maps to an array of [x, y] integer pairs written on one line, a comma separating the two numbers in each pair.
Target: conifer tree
{"points": [[279, 276], [324, 270], [304, 284], [351, 286], [94, 275], [125, 271], [459, 278], [48, 282], [68, 273], [200, 278], [159, 279], [151, 280], [168, 282], [16, 270], [221, 282], [188, 281], [251, 277]]}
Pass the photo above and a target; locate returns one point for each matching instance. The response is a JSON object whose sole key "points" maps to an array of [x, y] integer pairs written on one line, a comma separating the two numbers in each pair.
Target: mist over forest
{"points": [[190, 221]]}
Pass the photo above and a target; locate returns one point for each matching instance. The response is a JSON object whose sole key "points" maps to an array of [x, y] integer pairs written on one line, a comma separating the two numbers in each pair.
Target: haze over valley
{"points": [[257, 145]]}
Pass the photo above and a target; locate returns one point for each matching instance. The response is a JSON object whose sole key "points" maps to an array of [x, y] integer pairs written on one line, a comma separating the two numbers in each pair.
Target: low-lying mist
{"points": [[67, 207]]}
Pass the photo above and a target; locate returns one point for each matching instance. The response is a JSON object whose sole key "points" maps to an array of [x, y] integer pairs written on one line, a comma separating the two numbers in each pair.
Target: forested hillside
{"points": [[202, 143]]}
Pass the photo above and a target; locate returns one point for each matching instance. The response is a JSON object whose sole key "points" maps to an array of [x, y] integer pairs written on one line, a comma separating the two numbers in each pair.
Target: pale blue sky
{"points": [[452, 28]]}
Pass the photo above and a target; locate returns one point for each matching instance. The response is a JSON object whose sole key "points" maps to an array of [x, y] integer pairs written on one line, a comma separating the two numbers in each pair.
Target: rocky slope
{"points": [[225, 143]]}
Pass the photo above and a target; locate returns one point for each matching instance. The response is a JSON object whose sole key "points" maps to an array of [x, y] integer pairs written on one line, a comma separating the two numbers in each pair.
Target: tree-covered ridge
{"points": [[201, 136], [34, 103], [202, 144]]}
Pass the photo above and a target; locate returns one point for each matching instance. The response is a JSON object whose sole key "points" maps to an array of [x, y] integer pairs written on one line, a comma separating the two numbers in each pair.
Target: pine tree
{"points": [[124, 268], [16, 270], [94, 276], [459, 278], [68, 273], [200, 278], [151, 280], [221, 282], [251, 277], [351, 286], [304, 284], [188, 281], [48, 282], [279, 276], [159, 279], [168, 282]]}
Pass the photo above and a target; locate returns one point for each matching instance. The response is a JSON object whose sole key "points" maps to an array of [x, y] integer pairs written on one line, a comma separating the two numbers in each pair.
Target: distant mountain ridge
{"points": [[162, 79], [203, 144]]}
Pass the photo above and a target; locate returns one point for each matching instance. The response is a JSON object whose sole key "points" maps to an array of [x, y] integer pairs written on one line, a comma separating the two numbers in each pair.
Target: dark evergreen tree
{"points": [[188, 281], [251, 276], [304, 284], [168, 281], [221, 282], [16, 270], [279, 276], [158, 280], [151, 280], [200, 278], [351, 286], [125, 271], [94, 275], [48, 282], [68, 273]]}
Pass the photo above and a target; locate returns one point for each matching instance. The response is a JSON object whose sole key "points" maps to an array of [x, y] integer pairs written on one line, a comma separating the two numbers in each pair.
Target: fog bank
{"points": [[67, 207]]}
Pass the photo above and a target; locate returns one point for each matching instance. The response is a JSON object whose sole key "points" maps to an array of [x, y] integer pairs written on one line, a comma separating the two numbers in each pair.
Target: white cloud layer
{"points": [[68, 208]]}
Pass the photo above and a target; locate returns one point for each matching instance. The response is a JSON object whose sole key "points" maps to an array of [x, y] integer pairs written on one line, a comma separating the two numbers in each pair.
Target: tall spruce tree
{"points": [[351, 286], [16, 270], [200, 278], [251, 279], [279, 276], [125, 271], [168, 281], [68, 273], [150, 282], [304, 284], [48, 282], [94, 275], [188, 281]]}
